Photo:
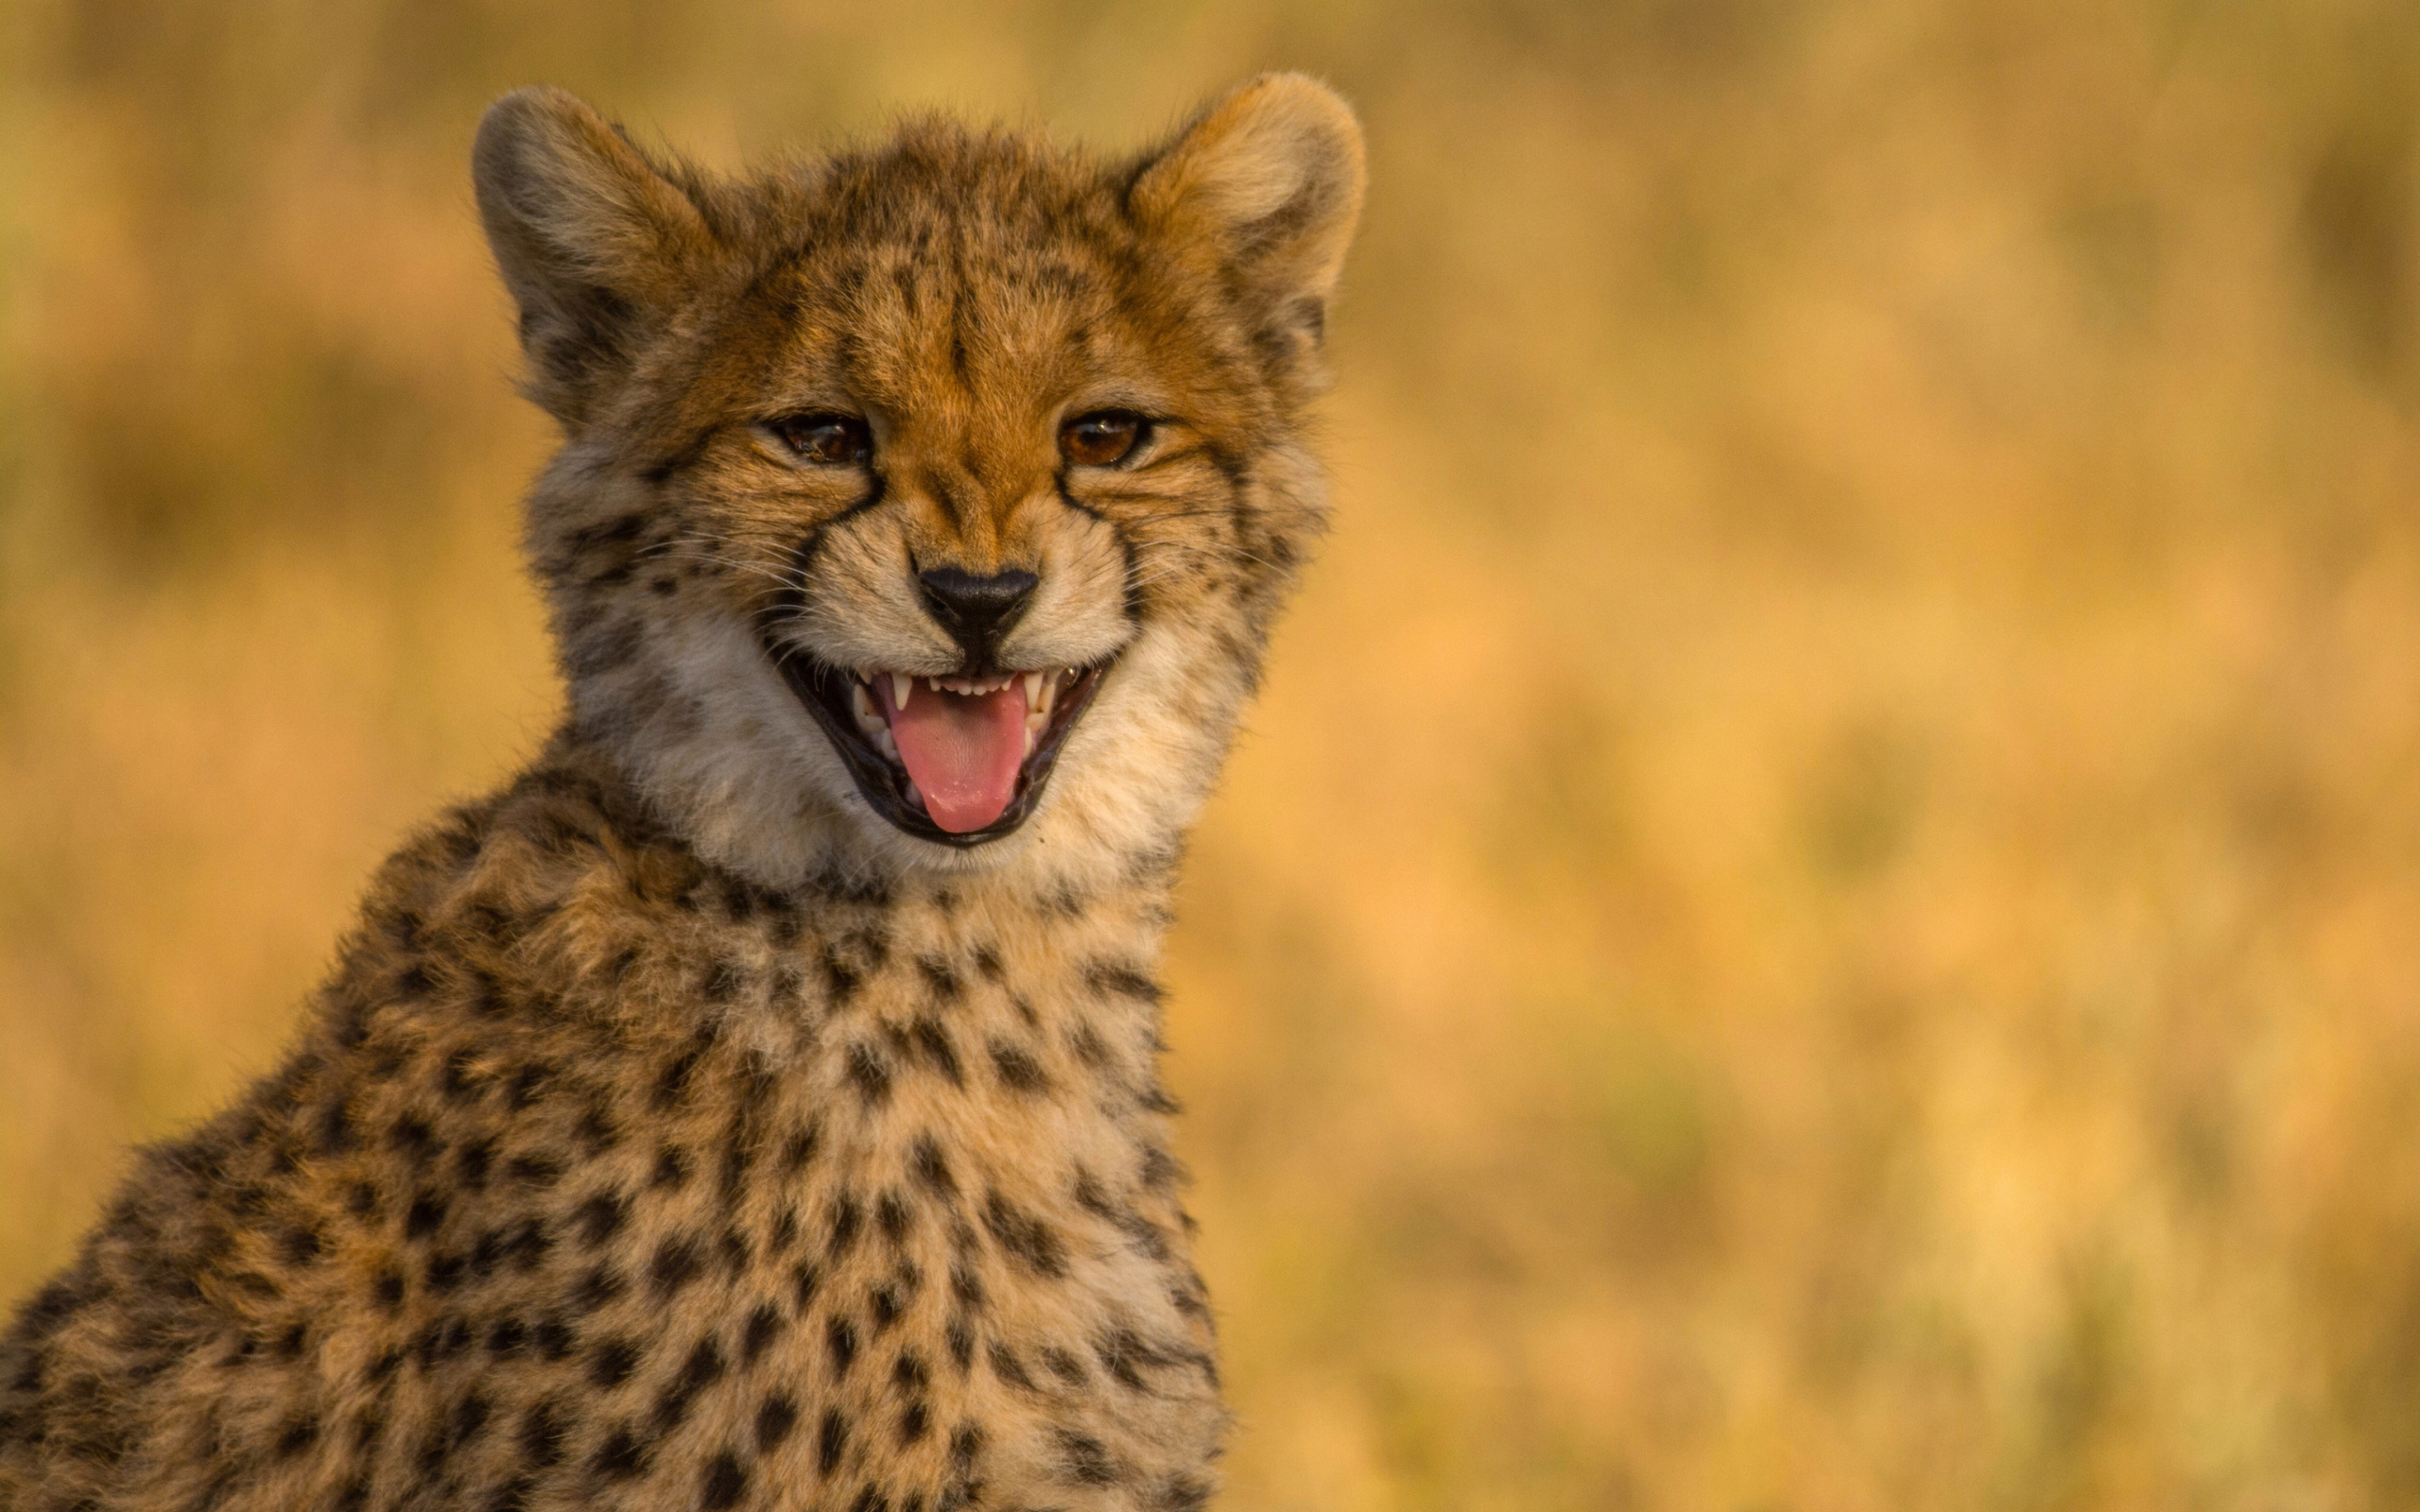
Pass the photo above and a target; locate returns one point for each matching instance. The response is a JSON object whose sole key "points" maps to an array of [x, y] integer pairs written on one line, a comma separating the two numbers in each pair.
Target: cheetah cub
{"points": [[755, 1104]]}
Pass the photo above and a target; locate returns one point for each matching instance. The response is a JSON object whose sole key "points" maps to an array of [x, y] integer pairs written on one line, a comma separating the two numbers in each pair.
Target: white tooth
{"points": [[915, 798], [861, 702], [1029, 740], [1049, 694], [901, 685], [1032, 681], [883, 742]]}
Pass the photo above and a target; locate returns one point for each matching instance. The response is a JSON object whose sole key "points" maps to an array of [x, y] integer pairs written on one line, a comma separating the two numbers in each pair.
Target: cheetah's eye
{"points": [[825, 438], [1103, 438]]}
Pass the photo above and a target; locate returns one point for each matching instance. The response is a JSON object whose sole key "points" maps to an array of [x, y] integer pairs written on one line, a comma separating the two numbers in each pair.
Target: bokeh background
{"points": [[1823, 909]]}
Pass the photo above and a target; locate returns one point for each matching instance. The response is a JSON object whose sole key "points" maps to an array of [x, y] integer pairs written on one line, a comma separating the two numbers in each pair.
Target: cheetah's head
{"points": [[925, 504]]}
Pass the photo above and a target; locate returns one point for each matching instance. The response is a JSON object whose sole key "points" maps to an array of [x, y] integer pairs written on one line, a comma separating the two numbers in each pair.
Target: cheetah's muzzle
{"points": [[976, 752]]}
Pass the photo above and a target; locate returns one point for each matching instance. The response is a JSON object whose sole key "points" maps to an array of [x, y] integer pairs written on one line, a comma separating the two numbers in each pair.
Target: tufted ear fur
{"points": [[1271, 176], [593, 240]]}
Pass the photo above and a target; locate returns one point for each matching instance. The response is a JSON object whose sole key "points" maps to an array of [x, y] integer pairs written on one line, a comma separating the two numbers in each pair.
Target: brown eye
{"points": [[1103, 438], [826, 440]]}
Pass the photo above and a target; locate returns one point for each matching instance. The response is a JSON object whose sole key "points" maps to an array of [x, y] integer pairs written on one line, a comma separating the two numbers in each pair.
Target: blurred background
{"points": [[1824, 908]]}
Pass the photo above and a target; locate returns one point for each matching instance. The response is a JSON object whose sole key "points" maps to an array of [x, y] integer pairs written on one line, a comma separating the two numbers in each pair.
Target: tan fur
{"points": [[676, 1131]]}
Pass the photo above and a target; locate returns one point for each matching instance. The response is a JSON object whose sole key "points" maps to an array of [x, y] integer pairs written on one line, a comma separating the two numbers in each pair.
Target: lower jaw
{"points": [[884, 784]]}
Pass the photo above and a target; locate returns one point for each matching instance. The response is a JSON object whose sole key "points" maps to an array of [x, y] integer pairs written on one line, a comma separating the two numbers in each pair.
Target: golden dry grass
{"points": [[1824, 911]]}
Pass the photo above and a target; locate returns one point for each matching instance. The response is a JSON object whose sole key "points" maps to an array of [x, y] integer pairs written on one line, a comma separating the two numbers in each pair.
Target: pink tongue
{"points": [[963, 749]]}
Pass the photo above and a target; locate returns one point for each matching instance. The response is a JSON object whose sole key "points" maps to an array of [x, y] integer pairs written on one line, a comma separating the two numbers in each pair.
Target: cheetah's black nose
{"points": [[976, 611]]}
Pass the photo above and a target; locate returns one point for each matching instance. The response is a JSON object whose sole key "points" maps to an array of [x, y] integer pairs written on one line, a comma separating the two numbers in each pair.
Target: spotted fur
{"points": [[675, 1130]]}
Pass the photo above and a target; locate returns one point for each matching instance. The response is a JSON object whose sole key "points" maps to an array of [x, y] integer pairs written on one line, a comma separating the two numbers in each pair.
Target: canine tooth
{"points": [[901, 685], [1032, 681], [915, 798], [861, 702], [883, 742], [1029, 740]]}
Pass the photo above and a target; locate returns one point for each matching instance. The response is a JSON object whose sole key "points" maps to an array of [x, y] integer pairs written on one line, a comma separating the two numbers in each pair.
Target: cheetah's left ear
{"points": [[1273, 174]]}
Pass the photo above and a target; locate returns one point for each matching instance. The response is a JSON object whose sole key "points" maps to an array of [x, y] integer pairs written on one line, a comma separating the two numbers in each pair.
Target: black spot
{"points": [[840, 980], [831, 1441], [554, 1339], [674, 1266], [870, 1499], [428, 1213], [965, 1442], [1161, 1170], [671, 1167], [1064, 1364], [764, 1326], [987, 960], [525, 1086], [535, 1170], [1124, 980], [847, 1218], [840, 1337], [470, 1164], [1087, 1459], [1181, 1493], [389, 1288], [805, 1280], [542, 1435], [725, 1483], [412, 1137], [887, 1306], [507, 1335], [599, 1286], [301, 1247], [1018, 1069], [931, 1169], [726, 979], [961, 1343], [299, 1434], [937, 977], [894, 1216], [445, 1271], [870, 1074], [801, 1148], [335, 1129], [1008, 1367], [1025, 1237], [470, 1418], [703, 1367], [674, 1082], [775, 1420], [600, 1217], [966, 1285], [611, 1363], [513, 1496], [933, 1042], [598, 1131], [914, 1422], [621, 1457]]}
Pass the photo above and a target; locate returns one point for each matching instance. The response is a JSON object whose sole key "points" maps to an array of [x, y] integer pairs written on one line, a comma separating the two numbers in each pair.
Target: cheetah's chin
{"points": [[985, 786]]}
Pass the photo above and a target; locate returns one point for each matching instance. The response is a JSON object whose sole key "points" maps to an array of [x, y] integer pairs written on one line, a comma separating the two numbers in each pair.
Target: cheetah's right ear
{"points": [[592, 238], [1271, 179]]}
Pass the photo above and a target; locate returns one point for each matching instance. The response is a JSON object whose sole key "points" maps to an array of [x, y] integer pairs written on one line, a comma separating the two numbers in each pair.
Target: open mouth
{"points": [[955, 759]]}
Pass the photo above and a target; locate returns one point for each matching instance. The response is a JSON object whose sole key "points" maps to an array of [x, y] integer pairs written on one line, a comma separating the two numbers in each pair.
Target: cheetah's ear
{"points": [[593, 241], [1272, 174]]}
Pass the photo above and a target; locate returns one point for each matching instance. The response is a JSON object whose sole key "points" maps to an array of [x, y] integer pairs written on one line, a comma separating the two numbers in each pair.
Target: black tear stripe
{"points": [[1125, 545], [803, 558]]}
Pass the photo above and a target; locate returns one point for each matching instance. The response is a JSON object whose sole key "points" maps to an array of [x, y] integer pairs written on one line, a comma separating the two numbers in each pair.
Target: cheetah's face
{"points": [[944, 490]]}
